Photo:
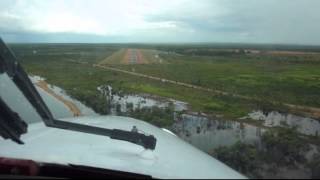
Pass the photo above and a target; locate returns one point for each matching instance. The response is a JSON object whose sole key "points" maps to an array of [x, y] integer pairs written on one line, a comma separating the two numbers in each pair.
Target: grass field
{"points": [[288, 80], [267, 78]]}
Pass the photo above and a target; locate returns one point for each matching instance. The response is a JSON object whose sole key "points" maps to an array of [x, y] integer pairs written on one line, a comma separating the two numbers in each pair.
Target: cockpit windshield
{"points": [[161, 82]]}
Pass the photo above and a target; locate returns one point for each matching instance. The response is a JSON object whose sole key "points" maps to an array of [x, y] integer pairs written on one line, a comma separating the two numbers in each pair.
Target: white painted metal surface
{"points": [[172, 158]]}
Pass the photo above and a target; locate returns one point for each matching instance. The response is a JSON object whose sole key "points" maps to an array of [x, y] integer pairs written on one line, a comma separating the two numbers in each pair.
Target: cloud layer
{"points": [[251, 21]]}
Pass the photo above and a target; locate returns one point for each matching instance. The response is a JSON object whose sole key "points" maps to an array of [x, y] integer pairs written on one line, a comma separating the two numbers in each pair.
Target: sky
{"points": [[161, 21]]}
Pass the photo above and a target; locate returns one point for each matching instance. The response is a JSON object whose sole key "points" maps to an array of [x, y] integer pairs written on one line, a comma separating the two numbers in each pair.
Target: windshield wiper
{"points": [[11, 124], [10, 65], [147, 141]]}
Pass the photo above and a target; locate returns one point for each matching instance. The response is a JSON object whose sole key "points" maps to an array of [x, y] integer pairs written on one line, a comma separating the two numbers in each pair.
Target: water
{"points": [[208, 134], [57, 108], [304, 125], [200, 131], [18, 103], [85, 111], [138, 101], [195, 128]]}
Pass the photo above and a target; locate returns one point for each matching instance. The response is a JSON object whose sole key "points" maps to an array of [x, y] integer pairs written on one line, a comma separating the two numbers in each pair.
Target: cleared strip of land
{"points": [[132, 56], [72, 107], [118, 57]]}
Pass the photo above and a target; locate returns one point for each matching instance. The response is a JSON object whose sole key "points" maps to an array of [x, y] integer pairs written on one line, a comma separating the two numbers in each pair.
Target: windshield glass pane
{"points": [[14, 98], [238, 80]]}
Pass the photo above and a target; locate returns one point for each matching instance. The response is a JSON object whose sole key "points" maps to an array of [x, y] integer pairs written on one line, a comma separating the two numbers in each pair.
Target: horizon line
{"points": [[174, 43]]}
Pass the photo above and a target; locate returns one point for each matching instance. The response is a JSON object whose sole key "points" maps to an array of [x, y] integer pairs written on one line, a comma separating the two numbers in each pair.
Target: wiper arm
{"points": [[10, 65], [147, 141]]}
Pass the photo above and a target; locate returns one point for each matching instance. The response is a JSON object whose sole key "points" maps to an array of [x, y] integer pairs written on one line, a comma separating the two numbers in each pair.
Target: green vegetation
{"points": [[91, 53], [284, 146], [270, 80], [279, 148], [154, 115], [241, 157], [315, 166], [289, 79]]}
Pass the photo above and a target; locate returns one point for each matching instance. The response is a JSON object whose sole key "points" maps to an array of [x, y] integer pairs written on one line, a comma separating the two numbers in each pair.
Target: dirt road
{"points": [[72, 107], [168, 81]]}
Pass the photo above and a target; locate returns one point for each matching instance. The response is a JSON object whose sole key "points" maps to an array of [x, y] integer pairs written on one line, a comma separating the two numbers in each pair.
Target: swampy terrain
{"points": [[256, 108]]}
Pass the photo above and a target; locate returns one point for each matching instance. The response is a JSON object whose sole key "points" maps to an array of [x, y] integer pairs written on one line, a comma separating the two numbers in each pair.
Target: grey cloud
{"points": [[10, 23], [30, 37], [253, 21]]}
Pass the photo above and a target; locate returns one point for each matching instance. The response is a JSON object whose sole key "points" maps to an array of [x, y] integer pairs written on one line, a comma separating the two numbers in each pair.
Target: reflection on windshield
{"points": [[16, 100]]}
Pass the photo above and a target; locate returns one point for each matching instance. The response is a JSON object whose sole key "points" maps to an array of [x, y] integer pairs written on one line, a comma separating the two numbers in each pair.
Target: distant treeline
{"points": [[210, 52], [178, 46]]}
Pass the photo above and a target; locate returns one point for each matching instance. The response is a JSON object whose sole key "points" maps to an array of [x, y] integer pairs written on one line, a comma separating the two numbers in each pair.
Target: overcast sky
{"points": [[248, 21]]}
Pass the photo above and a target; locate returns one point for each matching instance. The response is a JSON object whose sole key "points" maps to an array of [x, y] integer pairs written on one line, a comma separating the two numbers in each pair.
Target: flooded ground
{"points": [[203, 131], [58, 108], [137, 101], [200, 130], [85, 111], [208, 134], [211, 132], [304, 125]]}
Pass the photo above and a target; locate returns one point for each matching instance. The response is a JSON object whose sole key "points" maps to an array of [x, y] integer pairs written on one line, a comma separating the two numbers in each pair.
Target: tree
{"points": [[118, 108], [241, 157], [284, 146]]}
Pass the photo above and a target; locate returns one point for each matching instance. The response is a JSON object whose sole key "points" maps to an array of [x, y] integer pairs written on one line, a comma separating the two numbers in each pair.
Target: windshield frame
{"points": [[14, 70]]}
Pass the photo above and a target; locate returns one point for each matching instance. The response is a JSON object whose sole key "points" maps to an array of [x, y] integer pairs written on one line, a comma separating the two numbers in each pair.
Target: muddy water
{"points": [[137, 101], [304, 125], [200, 131], [208, 134]]}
